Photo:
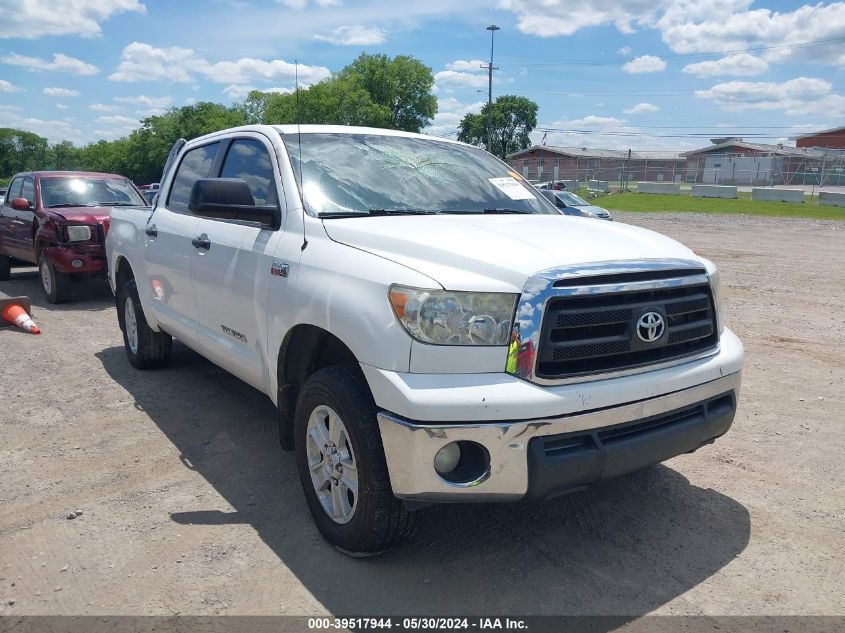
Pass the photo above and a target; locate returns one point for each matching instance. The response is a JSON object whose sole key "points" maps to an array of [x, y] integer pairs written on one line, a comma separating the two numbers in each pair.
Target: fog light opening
{"points": [[77, 263], [462, 463]]}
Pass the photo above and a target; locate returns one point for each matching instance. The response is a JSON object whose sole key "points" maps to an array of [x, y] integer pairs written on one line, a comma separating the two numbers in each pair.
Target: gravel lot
{"points": [[188, 506]]}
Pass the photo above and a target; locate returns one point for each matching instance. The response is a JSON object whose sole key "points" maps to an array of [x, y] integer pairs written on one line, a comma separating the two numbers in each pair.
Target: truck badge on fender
{"points": [[278, 269]]}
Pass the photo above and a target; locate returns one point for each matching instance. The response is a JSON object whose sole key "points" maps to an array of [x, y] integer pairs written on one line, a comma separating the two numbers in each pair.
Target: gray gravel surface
{"points": [[190, 507]]}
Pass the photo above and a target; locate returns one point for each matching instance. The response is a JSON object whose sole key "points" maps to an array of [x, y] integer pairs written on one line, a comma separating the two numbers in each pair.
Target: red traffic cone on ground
{"points": [[15, 314]]}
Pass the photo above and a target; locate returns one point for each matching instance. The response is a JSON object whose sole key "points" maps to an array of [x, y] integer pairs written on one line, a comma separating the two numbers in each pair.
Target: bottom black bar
{"points": [[408, 624]]}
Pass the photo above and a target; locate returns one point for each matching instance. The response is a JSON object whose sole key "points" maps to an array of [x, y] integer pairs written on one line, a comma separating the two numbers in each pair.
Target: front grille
{"points": [[596, 333]]}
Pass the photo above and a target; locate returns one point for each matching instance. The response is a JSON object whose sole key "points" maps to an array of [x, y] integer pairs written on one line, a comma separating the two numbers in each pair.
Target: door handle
{"points": [[201, 242], [151, 230]]}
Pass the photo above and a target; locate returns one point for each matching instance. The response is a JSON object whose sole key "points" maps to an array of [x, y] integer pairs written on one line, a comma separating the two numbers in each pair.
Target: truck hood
{"points": [[498, 253], [84, 215]]}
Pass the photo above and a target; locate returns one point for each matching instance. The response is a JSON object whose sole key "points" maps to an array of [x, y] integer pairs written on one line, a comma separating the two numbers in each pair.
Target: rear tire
{"points": [[5, 267], [335, 425], [145, 348], [56, 285]]}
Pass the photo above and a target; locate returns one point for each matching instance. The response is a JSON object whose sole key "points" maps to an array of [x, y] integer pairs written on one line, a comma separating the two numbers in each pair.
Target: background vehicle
{"points": [[571, 204], [59, 220], [2, 195], [429, 327]]}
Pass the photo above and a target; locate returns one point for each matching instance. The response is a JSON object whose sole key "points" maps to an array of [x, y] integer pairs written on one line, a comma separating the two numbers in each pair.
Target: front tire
{"points": [[342, 467], [56, 285], [145, 348]]}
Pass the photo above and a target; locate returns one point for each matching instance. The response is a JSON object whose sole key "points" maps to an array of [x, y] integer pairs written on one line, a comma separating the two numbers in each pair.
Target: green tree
{"points": [[402, 85], [333, 101], [65, 156], [21, 151], [513, 119]]}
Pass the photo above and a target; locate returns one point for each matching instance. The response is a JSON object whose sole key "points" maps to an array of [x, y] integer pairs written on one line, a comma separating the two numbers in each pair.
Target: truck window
{"points": [[195, 164], [14, 191], [28, 191], [249, 160]]}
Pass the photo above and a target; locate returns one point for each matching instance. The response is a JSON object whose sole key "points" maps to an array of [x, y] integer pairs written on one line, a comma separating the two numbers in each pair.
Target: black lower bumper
{"points": [[561, 463]]}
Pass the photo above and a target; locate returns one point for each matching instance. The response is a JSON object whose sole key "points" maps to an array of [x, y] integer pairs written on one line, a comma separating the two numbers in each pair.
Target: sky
{"points": [[615, 74]]}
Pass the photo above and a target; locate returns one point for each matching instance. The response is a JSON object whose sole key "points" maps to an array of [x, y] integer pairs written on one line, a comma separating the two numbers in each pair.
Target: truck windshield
{"points": [[363, 174], [73, 191]]}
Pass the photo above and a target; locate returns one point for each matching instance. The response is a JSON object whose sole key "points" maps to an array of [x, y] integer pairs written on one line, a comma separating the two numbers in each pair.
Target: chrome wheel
{"points": [[331, 464], [46, 278], [131, 324]]}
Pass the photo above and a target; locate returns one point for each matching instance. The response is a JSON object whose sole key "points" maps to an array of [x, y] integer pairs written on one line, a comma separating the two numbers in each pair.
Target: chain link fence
{"points": [[817, 168]]}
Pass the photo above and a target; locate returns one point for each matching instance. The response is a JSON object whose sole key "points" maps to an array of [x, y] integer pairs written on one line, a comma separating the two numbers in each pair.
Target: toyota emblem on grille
{"points": [[650, 327]]}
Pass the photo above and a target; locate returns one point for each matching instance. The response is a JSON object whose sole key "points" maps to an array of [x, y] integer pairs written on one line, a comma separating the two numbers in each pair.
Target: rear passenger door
{"points": [[232, 276], [169, 249]]}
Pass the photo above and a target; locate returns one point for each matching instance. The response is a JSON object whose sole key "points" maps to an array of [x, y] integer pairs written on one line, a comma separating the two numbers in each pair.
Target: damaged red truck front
{"points": [[59, 221]]}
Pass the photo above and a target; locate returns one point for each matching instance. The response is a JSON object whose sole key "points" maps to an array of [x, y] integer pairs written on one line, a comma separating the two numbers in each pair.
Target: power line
{"points": [[621, 60]]}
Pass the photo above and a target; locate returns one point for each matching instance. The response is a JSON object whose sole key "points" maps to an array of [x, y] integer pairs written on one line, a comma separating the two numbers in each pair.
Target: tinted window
{"points": [[14, 191], [195, 165], [250, 161], [28, 191]]}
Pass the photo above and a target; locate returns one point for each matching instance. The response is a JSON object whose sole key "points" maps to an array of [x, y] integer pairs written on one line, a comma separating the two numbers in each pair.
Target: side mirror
{"points": [[20, 204], [560, 205], [228, 199]]}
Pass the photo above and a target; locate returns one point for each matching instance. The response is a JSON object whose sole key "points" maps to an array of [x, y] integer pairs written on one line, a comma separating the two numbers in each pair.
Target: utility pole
{"points": [[492, 28]]}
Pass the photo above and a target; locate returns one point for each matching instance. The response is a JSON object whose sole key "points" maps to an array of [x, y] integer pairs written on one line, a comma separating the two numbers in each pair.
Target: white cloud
{"points": [[144, 100], [450, 111], [644, 64], [61, 106], [117, 119], [5, 86], [102, 107], [798, 97], [142, 62], [61, 62], [601, 133], [301, 4], [61, 92], [705, 26], [624, 51], [462, 66], [739, 65], [462, 74], [35, 18], [641, 107], [355, 35], [565, 17], [53, 130]]}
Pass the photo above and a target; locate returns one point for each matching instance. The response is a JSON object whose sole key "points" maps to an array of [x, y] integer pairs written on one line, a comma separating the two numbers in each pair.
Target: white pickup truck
{"points": [[429, 326]]}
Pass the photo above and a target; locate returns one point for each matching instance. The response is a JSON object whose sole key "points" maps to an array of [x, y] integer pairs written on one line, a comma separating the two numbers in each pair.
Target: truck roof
{"points": [[293, 128]]}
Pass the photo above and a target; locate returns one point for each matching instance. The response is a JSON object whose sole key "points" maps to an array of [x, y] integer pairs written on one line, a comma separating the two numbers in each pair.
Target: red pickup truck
{"points": [[59, 220]]}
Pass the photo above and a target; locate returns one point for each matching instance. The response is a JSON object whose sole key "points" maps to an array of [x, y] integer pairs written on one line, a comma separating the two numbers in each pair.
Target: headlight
{"points": [[716, 289], [441, 317], [79, 233]]}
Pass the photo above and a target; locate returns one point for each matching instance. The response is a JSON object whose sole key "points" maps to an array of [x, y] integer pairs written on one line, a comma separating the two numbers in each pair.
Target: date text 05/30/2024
{"points": [[416, 624]]}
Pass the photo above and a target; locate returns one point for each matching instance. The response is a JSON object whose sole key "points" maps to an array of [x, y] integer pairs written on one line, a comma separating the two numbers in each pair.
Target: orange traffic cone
{"points": [[13, 313]]}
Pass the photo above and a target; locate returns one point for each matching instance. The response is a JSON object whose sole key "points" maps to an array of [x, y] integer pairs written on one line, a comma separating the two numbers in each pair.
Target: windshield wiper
{"points": [[119, 204], [401, 212], [505, 210], [373, 212], [68, 204]]}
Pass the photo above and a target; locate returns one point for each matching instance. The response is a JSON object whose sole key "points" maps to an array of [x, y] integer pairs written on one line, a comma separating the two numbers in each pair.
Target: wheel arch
{"points": [[305, 349]]}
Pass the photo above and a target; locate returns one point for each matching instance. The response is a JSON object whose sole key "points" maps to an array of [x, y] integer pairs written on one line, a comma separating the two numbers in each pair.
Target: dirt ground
{"points": [[189, 506]]}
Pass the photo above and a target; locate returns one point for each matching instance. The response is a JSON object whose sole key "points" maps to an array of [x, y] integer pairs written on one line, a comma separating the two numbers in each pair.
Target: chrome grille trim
{"points": [[523, 354]]}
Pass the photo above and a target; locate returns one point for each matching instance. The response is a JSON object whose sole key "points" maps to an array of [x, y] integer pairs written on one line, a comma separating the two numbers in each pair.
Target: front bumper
{"points": [[547, 456], [92, 256]]}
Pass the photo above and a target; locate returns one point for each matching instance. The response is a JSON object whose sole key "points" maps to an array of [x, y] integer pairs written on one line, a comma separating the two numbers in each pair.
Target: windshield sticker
{"points": [[511, 188]]}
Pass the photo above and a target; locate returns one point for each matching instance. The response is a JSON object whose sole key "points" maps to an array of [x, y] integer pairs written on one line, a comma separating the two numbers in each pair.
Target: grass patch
{"points": [[656, 203]]}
